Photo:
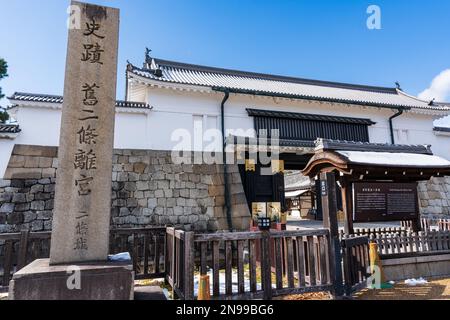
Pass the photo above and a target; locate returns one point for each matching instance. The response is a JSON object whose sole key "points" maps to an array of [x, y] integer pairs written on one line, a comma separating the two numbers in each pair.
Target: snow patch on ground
{"points": [[415, 282]]}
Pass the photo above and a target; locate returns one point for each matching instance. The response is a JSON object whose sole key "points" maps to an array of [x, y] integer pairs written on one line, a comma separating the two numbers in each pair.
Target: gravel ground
{"points": [[435, 289], [306, 296]]}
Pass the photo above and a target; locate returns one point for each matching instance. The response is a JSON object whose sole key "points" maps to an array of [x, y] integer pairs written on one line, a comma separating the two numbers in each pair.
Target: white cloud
{"points": [[439, 88]]}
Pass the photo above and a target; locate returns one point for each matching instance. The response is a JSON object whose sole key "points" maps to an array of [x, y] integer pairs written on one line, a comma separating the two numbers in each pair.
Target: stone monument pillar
{"points": [[81, 217], [83, 184]]}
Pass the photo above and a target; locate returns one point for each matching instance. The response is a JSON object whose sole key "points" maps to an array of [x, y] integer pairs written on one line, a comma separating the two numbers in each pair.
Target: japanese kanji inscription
{"points": [[83, 188]]}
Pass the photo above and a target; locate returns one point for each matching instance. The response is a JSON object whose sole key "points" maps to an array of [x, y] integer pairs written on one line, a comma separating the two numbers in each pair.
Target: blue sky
{"points": [[325, 40]]}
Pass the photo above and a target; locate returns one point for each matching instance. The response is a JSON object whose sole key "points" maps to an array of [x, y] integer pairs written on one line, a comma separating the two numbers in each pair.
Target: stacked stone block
{"points": [[26, 194], [434, 198], [148, 189]]}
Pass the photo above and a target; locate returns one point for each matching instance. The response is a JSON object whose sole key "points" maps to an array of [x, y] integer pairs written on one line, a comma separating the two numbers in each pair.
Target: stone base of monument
{"points": [[95, 281]]}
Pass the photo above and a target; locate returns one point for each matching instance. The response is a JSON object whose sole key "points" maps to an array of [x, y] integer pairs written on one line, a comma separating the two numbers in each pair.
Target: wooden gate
{"points": [[235, 269], [179, 260], [355, 262]]}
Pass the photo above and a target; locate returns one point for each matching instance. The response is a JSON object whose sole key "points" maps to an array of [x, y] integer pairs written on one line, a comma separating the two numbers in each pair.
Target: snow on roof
{"points": [[395, 159], [293, 194], [296, 181]]}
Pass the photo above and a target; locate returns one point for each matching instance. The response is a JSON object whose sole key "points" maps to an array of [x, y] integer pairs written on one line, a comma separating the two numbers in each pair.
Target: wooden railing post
{"points": [[266, 265], [8, 262], [329, 211], [348, 281], [189, 266], [23, 249]]}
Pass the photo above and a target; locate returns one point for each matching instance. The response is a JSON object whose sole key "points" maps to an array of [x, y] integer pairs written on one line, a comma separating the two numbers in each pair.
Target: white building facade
{"points": [[188, 98], [172, 106]]}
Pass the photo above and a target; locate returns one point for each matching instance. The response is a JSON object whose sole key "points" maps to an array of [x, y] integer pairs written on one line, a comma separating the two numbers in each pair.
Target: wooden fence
{"points": [[249, 265], [179, 261], [355, 255], [444, 224], [405, 228], [241, 265], [19, 249], [145, 245], [427, 224], [359, 232], [412, 244]]}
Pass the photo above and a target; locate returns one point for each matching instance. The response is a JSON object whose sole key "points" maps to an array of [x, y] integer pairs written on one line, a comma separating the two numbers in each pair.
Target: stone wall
{"points": [[26, 194], [434, 198], [148, 189]]}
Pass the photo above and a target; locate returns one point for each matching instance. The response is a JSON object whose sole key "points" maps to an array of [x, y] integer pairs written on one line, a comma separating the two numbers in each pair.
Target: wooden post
{"points": [[266, 265], [347, 206], [416, 223], [329, 210], [8, 262], [188, 266], [23, 250]]}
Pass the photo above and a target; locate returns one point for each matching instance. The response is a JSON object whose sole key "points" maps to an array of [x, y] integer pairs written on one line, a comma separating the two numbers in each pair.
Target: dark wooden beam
{"points": [[347, 204], [329, 211]]}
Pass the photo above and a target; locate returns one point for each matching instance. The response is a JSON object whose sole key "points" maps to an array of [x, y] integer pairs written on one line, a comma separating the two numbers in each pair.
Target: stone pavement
{"points": [[140, 293], [149, 293]]}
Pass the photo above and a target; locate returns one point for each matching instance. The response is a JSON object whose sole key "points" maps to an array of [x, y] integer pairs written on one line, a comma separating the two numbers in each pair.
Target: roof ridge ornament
{"points": [[147, 54], [129, 66], [150, 64], [397, 84]]}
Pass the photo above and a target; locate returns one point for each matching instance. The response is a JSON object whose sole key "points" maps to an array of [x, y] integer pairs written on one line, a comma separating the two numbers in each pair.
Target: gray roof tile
{"points": [[257, 83], [306, 116], [442, 129], [48, 98], [9, 128], [328, 144]]}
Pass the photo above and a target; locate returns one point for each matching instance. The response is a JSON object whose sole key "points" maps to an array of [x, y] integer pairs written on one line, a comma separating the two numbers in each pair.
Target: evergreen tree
{"points": [[4, 116]]}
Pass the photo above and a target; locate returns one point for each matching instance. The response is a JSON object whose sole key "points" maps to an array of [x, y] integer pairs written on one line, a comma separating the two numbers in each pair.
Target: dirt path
{"points": [[435, 289]]}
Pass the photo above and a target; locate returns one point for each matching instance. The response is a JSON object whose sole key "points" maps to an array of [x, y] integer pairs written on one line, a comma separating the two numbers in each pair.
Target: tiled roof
{"points": [[442, 129], [255, 83], [9, 128], [296, 181], [305, 116], [33, 97], [234, 140], [47, 98], [328, 144]]}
